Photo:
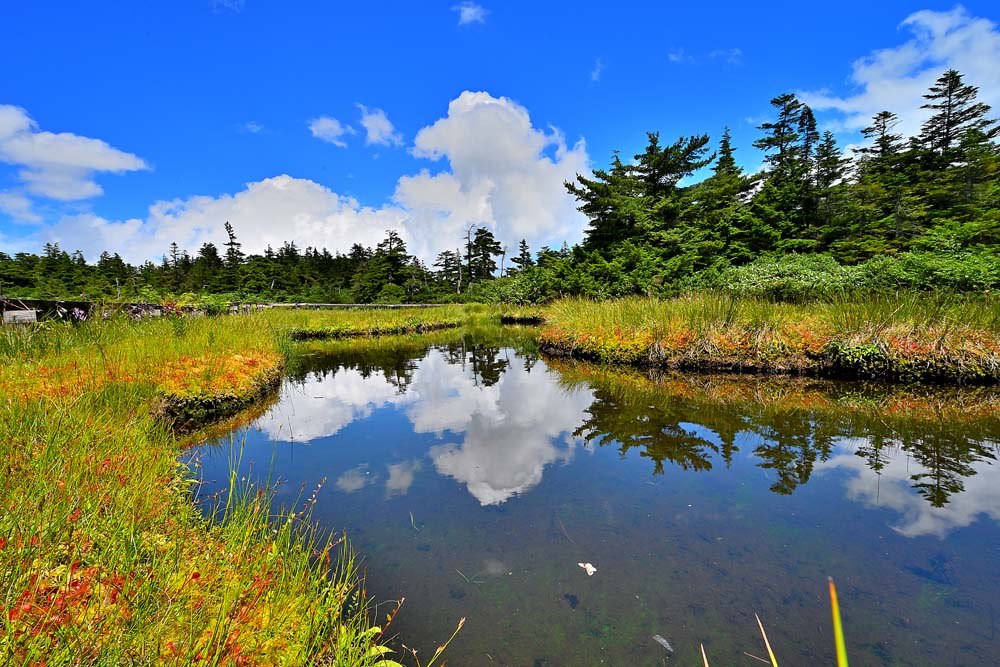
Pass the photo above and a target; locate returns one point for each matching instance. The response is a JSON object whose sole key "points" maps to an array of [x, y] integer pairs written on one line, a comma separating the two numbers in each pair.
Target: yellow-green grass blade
{"points": [[770, 653], [838, 627]]}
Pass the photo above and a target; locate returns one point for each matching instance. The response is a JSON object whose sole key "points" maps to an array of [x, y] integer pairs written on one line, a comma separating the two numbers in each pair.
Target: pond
{"points": [[474, 477]]}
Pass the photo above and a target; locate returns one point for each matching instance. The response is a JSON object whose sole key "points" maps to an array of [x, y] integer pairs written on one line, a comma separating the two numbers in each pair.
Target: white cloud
{"points": [[234, 6], [59, 166], [469, 12], [595, 74], [678, 55], [330, 130], [378, 128], [896, 78], [501, 172], [253, 127], [732, 56], [505, 174], [17, 206], [266, 212]]}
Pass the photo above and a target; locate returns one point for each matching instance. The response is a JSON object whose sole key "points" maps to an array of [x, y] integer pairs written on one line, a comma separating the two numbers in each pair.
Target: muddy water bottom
{"points": [[473, 478]]}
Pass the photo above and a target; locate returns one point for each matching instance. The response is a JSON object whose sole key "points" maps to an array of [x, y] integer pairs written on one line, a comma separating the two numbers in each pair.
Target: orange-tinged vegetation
{"points": [[895, 337], [104, 557]]}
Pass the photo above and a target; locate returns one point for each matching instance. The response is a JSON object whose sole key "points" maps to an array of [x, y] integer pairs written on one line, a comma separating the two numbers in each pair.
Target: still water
{"points": [[473, 476]]}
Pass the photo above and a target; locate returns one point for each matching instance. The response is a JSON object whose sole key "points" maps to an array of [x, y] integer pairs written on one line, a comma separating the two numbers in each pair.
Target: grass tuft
{"points": [[904, 337], [104, 558]]}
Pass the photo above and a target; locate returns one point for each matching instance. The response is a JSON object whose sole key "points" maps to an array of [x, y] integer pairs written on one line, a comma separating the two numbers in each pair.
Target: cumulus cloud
{"points": [[469, 12], [18, 207], [58, 166], [379, 129], [496, 169], [896, 78], [505, 174], [253, 127], [330, 130]]}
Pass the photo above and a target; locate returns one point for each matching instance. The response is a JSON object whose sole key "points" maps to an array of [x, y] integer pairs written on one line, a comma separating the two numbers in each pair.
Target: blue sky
{"points": [[125, 126]]}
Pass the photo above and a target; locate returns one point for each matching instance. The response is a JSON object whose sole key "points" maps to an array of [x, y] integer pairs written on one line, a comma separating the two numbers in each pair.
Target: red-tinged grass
{"points": [[103, 557], [895, 337]]}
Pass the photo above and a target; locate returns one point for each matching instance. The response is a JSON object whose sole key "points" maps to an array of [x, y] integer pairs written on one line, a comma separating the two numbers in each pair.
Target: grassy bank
{"points": [[908, 337], [104, 557], [333, 324]]}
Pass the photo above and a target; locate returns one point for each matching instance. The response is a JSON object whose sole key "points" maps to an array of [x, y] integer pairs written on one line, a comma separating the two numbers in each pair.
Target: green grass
{"points": [[308, 324], [907, 336], [104, 557]]}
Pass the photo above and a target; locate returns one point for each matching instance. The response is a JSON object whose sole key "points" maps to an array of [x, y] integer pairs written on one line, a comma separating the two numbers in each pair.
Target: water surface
{"points": [[473, 476]]}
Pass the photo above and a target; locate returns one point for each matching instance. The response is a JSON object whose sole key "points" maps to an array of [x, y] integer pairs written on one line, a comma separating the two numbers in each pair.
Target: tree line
{"points": [[386, 273], [930, 200], [936, 192]]}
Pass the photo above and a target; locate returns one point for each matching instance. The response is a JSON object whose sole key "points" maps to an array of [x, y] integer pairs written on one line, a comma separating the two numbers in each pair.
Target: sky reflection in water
{"points": [[554, 462]]}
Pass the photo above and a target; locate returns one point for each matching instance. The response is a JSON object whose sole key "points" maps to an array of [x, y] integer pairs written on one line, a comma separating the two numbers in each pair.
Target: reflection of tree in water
{"points": [[486, 362], [529, 361], [396, 366], [948, 460], [791, 444], [875, 450], [652, 416], [654, 428]]}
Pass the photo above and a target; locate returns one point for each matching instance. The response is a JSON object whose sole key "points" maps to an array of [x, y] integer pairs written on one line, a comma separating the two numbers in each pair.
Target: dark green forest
{"points": [[920, 212]]}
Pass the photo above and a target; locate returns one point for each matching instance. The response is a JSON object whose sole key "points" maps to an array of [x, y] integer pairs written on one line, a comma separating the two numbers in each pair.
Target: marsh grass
{"points": [[906, 336], [318, 324], [104, 557]]}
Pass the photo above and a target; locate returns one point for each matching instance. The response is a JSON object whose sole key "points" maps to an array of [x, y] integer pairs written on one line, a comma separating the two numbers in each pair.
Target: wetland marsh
{"points": [[472, 476]]}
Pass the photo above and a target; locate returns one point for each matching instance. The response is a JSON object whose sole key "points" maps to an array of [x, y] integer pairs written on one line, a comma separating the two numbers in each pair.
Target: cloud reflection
{"points": [[320, 407], [401, 477], [355, 479], [511, 428], [981, 496]]}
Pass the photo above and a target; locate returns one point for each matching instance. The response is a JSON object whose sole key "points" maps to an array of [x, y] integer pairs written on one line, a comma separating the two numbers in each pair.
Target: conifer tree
{"points": [[522, 260], [956, 113]]}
